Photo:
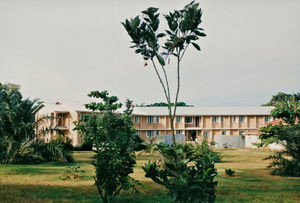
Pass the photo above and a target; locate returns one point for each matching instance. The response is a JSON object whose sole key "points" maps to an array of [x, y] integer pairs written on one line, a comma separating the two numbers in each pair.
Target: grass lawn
{"points": [[44, 182]]}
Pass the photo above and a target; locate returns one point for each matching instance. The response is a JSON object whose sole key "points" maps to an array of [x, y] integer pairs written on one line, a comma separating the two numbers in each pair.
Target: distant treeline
{"points": [[163, 104]]}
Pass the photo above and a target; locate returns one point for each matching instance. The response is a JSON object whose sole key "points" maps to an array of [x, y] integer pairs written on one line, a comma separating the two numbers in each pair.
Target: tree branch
{"points": [[160, 80]]}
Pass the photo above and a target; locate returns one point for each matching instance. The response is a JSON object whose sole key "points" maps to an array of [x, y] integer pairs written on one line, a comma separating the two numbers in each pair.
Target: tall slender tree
{"points": [[183, 30]]}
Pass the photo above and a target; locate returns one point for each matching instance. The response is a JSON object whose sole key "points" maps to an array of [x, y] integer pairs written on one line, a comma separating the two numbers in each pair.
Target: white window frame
{"points": [[268, 119], [137, 132], [242, 119], [157, 133], [136, 119], [178, 119], [215, 119], [234, 119], [185, 119], [150, 119], [157, 119], [222, 119], [224, 132], [150, 133], [179, 132], [206, 134]]}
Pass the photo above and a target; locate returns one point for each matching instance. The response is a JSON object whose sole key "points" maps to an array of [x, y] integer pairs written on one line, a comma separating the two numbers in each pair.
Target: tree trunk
{"points": [[171, 117]]}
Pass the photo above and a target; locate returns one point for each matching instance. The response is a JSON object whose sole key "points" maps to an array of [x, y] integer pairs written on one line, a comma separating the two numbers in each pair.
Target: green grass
{"points": [[44, 182]]}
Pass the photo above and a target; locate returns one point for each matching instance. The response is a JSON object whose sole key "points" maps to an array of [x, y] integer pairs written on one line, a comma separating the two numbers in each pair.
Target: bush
{"points": [[287, 161], [84, 147], [229, 172], [73, 172], [55, 150], [187, 171], [113, 136]]}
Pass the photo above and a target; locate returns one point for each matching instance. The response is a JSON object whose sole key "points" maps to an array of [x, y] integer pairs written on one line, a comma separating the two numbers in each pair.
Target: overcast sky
{"points": [[59, 50]]}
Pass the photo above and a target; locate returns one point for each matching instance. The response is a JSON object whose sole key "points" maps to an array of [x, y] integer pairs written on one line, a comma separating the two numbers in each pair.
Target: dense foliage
{"points": [[183, 30], [187, 171], [115, 143], [282, 97], [19, 138], [287, 161]]}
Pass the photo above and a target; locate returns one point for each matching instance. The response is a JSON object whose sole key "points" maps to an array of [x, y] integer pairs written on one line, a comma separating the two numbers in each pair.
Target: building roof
{"points": [[163, 111], [193, 111], [65, 108], [62, 108]]}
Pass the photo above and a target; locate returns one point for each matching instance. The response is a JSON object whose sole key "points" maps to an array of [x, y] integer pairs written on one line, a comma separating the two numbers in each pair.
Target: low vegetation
{"points": [[229, 172], [43, 182], [187, 171]]}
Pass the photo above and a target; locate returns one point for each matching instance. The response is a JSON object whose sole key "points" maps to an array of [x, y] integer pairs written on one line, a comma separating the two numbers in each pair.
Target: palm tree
{"points": [[19, 138]]}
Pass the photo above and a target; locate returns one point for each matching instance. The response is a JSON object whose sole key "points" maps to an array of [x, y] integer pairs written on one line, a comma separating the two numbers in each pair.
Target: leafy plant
{"points": [[229, 172], [115, 141], [287, 161], [187, 171], [73, 173], [183, 30], [20, 136]]}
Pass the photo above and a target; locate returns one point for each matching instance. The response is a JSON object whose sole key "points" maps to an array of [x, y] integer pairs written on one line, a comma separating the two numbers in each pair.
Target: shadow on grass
{"points": [[42, 193]]}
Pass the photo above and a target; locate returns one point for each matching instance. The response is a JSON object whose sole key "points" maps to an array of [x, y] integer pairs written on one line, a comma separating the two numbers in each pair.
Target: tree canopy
{"points": [[20, 139], [183, 30], [115, 141], [282, 97], [287, 161]]}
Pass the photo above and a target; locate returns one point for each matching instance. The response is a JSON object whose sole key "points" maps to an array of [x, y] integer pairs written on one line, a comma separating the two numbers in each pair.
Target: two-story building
{"points": [[196, 123]]}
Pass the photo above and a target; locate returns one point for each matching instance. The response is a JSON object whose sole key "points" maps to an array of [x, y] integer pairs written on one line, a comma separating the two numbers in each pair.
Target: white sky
{"points": [[62, 49]]}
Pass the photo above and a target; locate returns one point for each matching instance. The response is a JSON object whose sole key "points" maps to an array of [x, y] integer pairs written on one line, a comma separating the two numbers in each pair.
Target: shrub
{"points": [[187, 171], [73, 172], [83, 147], [113, 136], [229, 172], [287, 161]]}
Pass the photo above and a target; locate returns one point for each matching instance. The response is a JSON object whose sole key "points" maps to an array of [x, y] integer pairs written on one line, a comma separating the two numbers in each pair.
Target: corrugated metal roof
{"points": [[193, 111]]}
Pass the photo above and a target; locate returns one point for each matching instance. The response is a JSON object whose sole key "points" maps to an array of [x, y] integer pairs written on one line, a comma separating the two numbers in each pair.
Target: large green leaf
{"points": [[196, 46], [161, 60]]}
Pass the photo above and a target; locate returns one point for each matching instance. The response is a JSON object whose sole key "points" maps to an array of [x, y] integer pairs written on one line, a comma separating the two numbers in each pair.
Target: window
{"points": [[215, 119], [136, 119], [157, 133], [149, 133], [150, 119], [222, 119], [241, 132], [224, 132], [178, 119], [206, 134], [188, 119], [242, 119], [137, 132], [233, 119], [157, 119], [179, 132], [268, 119]]}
